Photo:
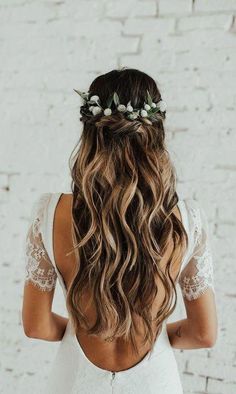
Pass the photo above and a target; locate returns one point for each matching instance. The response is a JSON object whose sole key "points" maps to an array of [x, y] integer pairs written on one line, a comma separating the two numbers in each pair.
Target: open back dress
{"points": [[71, 371]]}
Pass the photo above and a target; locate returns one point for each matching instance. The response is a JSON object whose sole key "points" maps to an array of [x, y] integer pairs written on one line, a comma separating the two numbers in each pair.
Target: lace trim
{"points": [[39, 207], [39, 269], [194, 286], [197, 276], [197, 224]]}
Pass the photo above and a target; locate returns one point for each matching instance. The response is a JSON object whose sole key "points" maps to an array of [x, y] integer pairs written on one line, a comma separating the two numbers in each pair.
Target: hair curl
{"points": [[124, 193]]}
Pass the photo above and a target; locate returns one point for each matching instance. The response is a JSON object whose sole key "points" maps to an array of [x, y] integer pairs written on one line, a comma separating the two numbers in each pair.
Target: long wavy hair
{"points": [[124, 193]]}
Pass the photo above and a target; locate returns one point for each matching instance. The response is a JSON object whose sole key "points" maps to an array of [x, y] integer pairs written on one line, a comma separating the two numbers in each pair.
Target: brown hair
{"points": [[124, 192]]}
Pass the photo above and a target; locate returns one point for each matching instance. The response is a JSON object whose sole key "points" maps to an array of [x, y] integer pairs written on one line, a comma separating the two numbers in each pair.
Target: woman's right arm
{"points": [[196, 280], [199, 329]]}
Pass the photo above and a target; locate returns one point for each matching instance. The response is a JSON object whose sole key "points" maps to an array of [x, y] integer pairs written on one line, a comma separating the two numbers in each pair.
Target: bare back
{"points": [[116, 355]]}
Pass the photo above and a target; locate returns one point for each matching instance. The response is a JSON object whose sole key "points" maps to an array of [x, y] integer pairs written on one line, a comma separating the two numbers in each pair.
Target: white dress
{"points": [[71, 371]]}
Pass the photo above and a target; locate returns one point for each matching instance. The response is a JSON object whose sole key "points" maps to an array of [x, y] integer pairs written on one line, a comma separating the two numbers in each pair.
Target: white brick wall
{"points": [[50, 47]]}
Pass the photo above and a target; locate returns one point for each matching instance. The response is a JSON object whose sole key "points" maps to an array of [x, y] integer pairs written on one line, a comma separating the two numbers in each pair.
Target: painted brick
{"points": [[205, 22], [130, 9], [179, 7], [151, 27], [219, 386], [212, 369], [215, 5], [48, 48]]}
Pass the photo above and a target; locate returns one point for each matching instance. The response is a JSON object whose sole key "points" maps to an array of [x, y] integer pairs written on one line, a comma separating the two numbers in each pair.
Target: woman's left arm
{"points": [[40, 281]]}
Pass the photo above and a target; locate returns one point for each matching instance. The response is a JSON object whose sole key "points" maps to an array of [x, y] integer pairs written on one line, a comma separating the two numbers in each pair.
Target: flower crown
{"points": [[92, 106]]}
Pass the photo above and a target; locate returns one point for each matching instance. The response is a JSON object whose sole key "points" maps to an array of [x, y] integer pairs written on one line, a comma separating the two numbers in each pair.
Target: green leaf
{"points": [[81, 94], [149, 99], [116, 99], [154, 110], [78, 91], [109, 101]]}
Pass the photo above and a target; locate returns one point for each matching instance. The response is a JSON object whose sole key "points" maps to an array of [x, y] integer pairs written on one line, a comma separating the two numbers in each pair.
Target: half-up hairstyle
{"points": [[124, 193]]}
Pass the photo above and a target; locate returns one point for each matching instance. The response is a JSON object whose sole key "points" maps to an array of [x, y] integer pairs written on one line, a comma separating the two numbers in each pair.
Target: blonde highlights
{"points": [[124, 193]]}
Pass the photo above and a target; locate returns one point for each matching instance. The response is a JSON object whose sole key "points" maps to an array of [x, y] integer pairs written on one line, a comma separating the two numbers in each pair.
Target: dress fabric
{"points": [[72, 372]]}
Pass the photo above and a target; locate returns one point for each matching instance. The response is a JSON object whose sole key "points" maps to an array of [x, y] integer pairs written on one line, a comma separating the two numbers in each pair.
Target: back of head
{"points": [[124, 192]]}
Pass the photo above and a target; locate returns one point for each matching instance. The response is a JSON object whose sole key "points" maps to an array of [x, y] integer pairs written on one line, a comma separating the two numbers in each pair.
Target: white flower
{"points": [[144, 113], [107, 111], [91, 108], [129, 108], [96, 110], [94, 98], [121, 108], [133, 116], [147, 107], [154, 105], [162, 105]]}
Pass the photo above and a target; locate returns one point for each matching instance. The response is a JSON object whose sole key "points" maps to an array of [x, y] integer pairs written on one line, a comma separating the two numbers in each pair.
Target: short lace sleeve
{"points": [[39, 269], [197, 276]]}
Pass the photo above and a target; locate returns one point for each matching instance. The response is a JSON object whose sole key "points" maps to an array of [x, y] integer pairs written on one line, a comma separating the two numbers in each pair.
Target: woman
{"points": [[119, 244]]}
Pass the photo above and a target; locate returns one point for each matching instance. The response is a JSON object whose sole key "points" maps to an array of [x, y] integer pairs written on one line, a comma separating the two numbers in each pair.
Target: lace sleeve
{"points": [[197, 275], [39, 269]]}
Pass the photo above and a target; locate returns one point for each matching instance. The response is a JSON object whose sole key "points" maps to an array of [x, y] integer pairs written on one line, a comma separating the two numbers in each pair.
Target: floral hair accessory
{"points": [[92, 106]]}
